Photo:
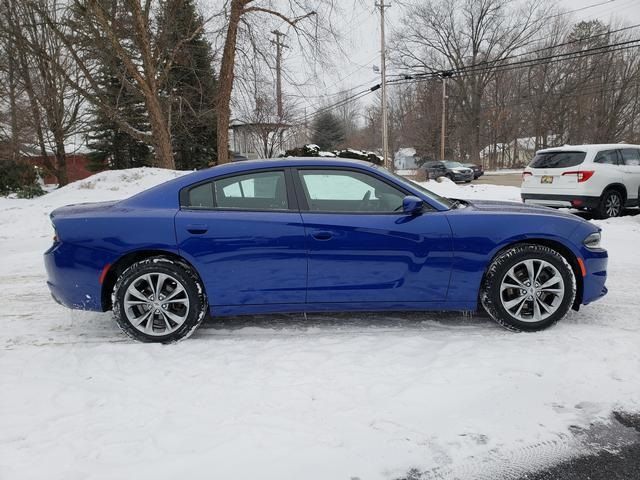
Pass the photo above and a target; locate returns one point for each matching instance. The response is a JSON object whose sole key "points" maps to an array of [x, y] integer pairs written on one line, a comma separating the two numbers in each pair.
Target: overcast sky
{"points": [[361, 46]]}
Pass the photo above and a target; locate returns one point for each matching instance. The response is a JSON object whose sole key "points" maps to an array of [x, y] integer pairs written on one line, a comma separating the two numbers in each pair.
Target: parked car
{"points": [[477, 169], [601, 178], [457, 172], [238, 157], [316, 235], [434, 169]]}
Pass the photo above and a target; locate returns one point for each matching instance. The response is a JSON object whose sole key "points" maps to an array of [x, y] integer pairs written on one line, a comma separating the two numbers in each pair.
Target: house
{"points": [[405, 159], [517, 153], [262, 139], [77, 159]]}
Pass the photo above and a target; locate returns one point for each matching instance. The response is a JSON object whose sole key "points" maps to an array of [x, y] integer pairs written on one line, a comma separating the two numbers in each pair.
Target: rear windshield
{"points": [[557, 159]]}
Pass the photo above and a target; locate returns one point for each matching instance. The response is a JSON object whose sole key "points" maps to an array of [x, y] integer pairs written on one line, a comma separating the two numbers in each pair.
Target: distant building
{"points": [[261, 139], [405, 159], [77, 159], [517, 153]]}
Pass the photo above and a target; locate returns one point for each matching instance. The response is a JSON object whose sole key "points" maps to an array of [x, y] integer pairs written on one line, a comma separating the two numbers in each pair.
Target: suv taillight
{"points": [[524, 175], [583, 175]]}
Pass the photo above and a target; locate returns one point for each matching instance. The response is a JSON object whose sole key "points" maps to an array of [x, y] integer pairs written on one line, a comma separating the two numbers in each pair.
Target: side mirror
{"points": [[412, 205]]}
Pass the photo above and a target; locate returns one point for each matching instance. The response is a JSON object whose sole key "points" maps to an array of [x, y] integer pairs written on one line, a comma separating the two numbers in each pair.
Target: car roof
{"points": [[588, 148], [152, 196]]}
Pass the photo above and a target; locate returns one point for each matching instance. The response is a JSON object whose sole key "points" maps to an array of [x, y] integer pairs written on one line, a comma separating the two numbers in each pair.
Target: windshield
{"points": [[557, 159], [405, 181], [453, 164]]}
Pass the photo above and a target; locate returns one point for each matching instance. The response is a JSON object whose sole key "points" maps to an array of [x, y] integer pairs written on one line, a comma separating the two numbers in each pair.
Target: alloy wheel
{"points": [[156, 304], [532, 290], [613, 205]]}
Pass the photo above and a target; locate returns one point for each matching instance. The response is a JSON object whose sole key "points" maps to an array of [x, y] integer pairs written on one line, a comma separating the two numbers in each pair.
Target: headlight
{"points": [[592, 241]]}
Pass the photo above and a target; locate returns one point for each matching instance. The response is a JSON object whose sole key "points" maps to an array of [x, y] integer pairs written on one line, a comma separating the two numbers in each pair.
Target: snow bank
{"points": [[447, 188], [367, 396]]}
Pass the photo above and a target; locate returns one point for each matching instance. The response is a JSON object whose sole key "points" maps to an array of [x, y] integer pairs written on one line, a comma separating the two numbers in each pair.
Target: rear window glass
{"points": [[557, 159]]}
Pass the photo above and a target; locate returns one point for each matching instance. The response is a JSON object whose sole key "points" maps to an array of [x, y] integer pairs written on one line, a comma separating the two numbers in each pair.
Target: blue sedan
{"points": [[311, 235]]}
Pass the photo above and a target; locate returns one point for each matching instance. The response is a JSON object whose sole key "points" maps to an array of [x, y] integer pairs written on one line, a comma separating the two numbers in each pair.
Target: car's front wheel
{"points": [[159, 300], [528, 288]]}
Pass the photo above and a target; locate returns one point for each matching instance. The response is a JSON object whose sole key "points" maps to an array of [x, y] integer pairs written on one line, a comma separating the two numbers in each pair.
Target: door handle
{"points": [[322, 235], [197, 228]]}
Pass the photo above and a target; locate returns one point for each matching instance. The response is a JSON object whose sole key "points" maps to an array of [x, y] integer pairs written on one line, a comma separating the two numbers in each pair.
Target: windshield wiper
{"points": [[458, 204]]}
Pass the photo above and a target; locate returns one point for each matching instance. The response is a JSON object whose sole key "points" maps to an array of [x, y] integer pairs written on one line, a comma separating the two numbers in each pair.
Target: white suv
{"points": [[602, 178]]}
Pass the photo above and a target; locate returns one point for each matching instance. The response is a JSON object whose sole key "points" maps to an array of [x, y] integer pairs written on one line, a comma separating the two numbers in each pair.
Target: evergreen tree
{"points": [[112, 147], [190, 86], [328, 131]]}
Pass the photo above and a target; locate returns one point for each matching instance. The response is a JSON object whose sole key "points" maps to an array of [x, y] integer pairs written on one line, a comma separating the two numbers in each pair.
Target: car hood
{"points": [[516, 207]]}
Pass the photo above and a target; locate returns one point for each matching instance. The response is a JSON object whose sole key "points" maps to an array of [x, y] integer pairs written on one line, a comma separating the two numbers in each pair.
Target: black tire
{"points": [[490, 295], [449, 176], [181, 272], [607, 206], [467, 181]]}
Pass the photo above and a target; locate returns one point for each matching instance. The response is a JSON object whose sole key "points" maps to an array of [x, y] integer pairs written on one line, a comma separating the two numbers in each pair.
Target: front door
{"points": [[363, 248], [245, 234], [630, 158]]}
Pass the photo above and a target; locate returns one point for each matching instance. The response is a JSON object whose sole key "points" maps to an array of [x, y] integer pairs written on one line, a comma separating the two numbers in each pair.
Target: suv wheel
{"points": [[611, 204]]}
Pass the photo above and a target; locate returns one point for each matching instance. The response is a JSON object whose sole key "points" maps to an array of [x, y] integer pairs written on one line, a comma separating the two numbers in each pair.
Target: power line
{"points": [[483, 66], [609, 48], [586, 7], [571, 42]]}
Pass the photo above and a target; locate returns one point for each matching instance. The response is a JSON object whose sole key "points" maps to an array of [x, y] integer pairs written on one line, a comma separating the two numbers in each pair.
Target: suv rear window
{"points": [[557, 159]]}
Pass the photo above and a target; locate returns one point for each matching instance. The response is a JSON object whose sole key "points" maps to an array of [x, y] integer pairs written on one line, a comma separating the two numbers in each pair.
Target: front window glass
{"points": [[347, 191], [631, 156], [453, 164], [428, 193]]}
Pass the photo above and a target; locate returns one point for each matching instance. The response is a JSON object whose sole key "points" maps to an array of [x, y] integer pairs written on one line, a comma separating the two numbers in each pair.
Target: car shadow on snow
{"points": [[353, 320]]}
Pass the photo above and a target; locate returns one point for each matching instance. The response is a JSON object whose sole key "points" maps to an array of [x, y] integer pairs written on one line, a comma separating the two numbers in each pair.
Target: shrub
{"points": [[20, 178]]}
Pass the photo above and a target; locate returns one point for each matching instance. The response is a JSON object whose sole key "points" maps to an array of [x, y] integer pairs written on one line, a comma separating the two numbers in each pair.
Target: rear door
{"points": [[630, 164], [363, 248], [245, 235]]}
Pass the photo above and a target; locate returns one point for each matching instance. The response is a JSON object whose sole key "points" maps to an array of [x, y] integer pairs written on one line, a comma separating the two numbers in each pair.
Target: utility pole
{"points": [[444, 117], [443, 128], [279, 46], [388, 163]]}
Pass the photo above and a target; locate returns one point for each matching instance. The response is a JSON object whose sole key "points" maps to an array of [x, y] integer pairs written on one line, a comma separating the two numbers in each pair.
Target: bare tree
{"points": [[55, 107], [458, 34], [242, 16], [85, 27]]}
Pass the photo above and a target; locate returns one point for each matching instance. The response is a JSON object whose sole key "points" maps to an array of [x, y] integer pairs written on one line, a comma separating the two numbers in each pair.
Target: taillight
{"points": [[524, 175], [583, 175]]}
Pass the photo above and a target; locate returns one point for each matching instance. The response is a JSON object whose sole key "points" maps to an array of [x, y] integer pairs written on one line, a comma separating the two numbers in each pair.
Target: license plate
{"points": [[546, 179]]}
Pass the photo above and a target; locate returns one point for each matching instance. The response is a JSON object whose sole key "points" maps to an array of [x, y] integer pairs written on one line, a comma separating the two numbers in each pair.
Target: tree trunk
{"points": [[225, 81], [61, 163], [161, 135]]}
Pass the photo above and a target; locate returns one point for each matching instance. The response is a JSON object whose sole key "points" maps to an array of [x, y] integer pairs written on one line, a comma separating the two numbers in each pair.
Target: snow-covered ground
{"points": [[332, 397]]}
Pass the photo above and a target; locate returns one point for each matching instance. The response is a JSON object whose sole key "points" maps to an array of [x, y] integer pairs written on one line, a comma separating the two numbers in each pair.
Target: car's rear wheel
{"points": [[611, 204], [528, 288], [159, 300]]}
